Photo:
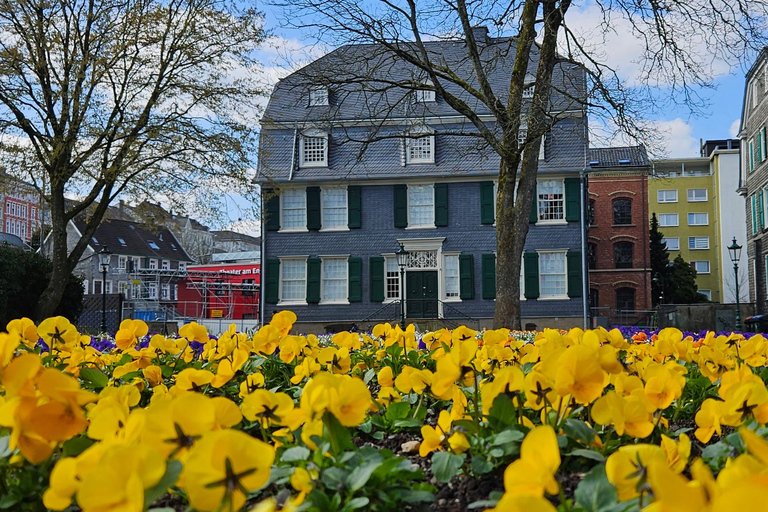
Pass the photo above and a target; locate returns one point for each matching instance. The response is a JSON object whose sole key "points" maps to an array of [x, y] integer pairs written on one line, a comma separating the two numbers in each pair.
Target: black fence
{"points": [[90, 319]]}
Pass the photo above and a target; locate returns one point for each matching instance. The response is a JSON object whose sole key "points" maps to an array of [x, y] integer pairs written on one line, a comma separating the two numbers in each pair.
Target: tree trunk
{"points": [[51, 297]]}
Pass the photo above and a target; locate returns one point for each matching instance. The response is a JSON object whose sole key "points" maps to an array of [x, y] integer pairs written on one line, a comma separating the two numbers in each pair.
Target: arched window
{"points": [[420, 145], [529, 86], [592, 256], [623, 254], [313, 149], [425, 95], [625, 299], [622, 211], [594, 298], [591, 213]]}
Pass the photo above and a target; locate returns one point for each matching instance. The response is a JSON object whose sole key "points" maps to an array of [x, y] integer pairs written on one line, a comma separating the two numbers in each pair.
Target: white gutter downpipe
{"points": [[584, 271], [293, 152]]}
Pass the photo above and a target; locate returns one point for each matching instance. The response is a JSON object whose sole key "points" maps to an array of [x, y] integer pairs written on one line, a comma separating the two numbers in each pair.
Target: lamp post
{"points": [[735, 252], [402, 261], [104, 257]]}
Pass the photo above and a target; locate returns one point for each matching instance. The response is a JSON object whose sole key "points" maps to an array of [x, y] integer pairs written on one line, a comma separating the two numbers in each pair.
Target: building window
{"points": [[707, 294], [294, 209], [425, 95], [625, 299], [122, 261], [97, 287], [622, 211], [591, 213], [334, 208], [698, 219], [152, 291], [166, 265], [183, 265], [592, 256], [668, 220], [594, 298], [528, 91], [673, 243], [420, 146], [551, 198], [86, 290], [314, 149], [451, 276], [108, 287], [697, 195], [552, 276], [293, 280], [698, 242], [666, 196], [153, 264], [318, 96], [392, 278], [623, 254], [701, 267], [165, 291], [334, 282], [421, 205]]}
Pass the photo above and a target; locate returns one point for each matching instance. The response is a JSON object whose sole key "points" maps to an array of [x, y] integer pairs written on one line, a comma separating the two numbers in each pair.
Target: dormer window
{"points": [[529, 86], [425, 95], [313, 149], [318, 96], [420, 146]]}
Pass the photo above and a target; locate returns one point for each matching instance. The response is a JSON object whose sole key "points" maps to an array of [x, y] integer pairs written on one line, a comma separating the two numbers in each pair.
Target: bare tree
{"points": [[678, 41], [103, 97]]}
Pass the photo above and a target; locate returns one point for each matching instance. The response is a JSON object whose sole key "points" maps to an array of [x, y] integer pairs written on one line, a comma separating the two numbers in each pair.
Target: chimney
{"points": [[122, 205], [480, 33]]}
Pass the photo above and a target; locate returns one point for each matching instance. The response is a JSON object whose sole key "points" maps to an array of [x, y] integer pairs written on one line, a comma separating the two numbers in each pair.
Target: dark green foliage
{"points": [[682, 287], [659, 262], [23, 277]]}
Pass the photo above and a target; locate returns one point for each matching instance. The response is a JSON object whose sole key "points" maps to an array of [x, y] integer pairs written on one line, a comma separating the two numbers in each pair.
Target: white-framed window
{"points": [[551, 200], [182, 265], [152, 291], [420, 146], [122, 262], [391, 278], [165, 265], [421, 206], [152, 264], [706, 293], [333, 284], [86, 290], [97, 286], [668, 220], [125, 289], [165, 291], [698, 242], [451, 276], [425, 95], [313, 149], [293, 280], [136, 291], [673, 243], [108, 287], [701, 267], [334, 201], [552, 275], [293, 209], [318, 96], [698, 219], [666, 196], [697, 195]]}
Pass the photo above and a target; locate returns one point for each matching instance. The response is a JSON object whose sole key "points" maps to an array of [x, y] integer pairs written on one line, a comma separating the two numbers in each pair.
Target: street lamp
{"points": [[104, 257], [402, 261], [735, 252]]}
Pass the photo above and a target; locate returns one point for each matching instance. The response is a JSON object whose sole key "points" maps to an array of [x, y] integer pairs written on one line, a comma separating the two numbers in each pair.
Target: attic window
{"points": [[425, 95], [173, 246], [593, 163], [93, 239], [122, 242], [624, 161], [318, 96], [529, 86], [153, 245]]}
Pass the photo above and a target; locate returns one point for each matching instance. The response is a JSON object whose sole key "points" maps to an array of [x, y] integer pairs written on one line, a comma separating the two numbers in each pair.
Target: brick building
{"points": [[618, 255], [19, 207]]}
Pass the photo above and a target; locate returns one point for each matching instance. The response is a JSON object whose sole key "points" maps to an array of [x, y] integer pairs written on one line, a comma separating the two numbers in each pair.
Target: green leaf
{"points": [[588, 454], [398, 411], [5, 449], [337, 434], [356, 503], [369, 375], [360, 475], [96, 378], [9, 500], [334, 477], [579, 431], [445, 465], [595, 493], [410, 496], [76, 446], [172, 471], [295, 453], [503, 413], [507, 436], [468, 425], [481, 465], [407, 423]]}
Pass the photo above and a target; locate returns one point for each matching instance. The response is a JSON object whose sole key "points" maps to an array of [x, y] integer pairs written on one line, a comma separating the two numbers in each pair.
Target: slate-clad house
{"points": [[335, 209]]}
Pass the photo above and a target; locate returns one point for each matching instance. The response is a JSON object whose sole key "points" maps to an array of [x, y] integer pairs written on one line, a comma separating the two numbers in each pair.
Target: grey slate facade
{"points": [[455, 253]]}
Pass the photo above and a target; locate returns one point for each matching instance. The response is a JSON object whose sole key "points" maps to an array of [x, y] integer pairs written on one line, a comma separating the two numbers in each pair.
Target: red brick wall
{"points": [[19, 217]]}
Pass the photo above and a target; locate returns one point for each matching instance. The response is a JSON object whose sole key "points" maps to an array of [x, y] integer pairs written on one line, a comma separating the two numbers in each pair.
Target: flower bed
{"points": [[389, 420]]}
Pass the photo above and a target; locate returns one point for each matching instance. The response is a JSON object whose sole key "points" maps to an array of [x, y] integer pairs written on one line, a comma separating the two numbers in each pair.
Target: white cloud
{"points": [[734, 129], [678, 138], [669, 138]]}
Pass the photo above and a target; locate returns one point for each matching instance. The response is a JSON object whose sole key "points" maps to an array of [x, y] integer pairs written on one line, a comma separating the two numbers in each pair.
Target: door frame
{"points": [[426, 244]]}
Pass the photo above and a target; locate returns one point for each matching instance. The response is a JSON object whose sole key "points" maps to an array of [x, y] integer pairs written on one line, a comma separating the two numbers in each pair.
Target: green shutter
{"points": [[313, 208], [760, 211], [765, 144], [751, 155], [272, 209], [759, 146], [376, 264], [489, 276], [572, 203], [754, 215], [355, 270], [271, 295], [314, 269], [354, 208], [535, 205], [487, 213], [574, 274], [531, 260], [441, 204], [401, 206], [466, 276]]}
